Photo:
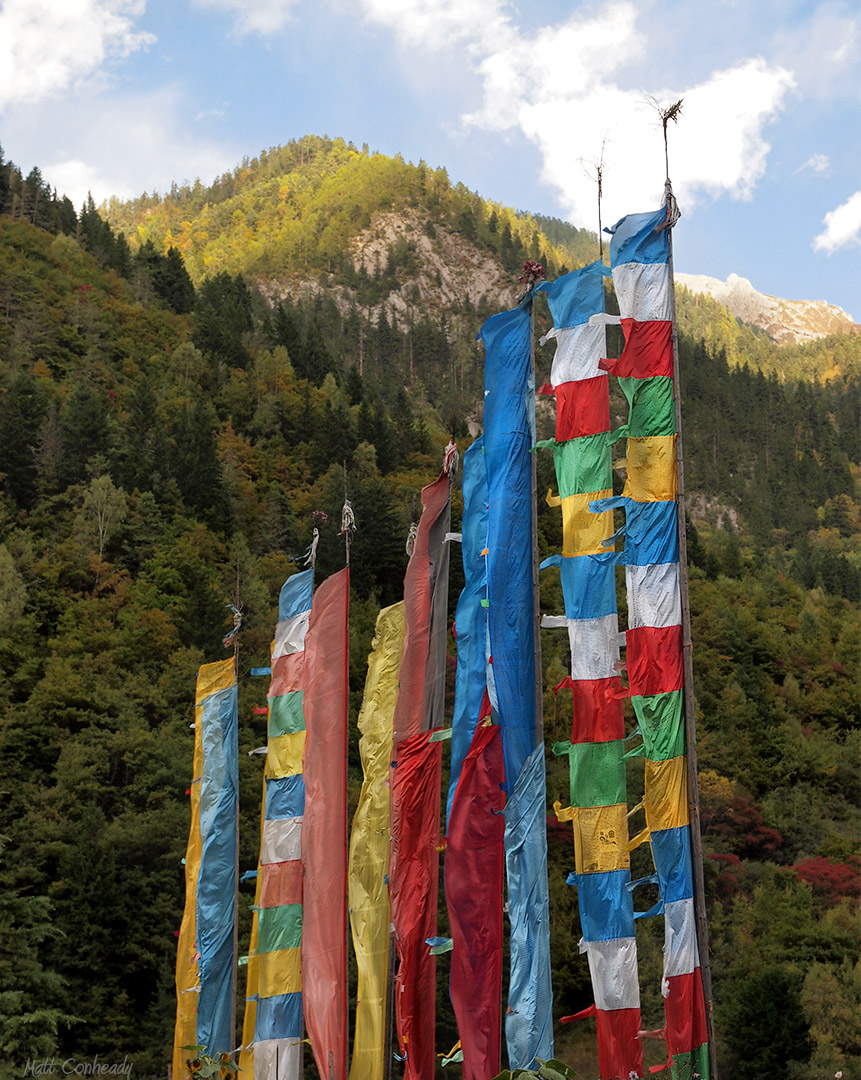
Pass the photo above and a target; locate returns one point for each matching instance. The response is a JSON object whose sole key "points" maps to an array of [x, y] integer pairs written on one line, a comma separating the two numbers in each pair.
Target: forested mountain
{"points": [[176, 407]]}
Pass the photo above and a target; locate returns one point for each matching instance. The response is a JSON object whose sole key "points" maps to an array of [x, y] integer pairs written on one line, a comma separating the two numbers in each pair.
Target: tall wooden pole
{"points": [[687, 644], [536, 603]]}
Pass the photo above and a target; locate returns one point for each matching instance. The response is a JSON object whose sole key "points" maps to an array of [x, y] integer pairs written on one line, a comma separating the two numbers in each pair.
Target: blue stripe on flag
{"points": [[574, 297], [634, 239], [296, 595], [285, 797], [279, 1017], [671, 849], [470, 618]]}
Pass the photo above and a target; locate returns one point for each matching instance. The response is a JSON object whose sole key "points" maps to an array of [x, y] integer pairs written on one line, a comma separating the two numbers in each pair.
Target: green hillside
{"points": [[164, 451]]}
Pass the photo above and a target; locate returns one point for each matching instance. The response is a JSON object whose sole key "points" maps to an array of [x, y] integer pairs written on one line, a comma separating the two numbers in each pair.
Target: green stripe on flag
{"points": [[584, 465], [692, 1065], [597, 773], [279, 928], [652, 411], [662, 723], [286, 713]]}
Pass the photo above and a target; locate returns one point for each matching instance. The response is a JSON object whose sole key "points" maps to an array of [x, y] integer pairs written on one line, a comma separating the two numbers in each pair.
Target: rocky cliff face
{"points": [[785, 321]]}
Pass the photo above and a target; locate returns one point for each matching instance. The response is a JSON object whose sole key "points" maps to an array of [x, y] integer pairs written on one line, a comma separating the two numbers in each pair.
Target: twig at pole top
{"points": [[532, 273]]}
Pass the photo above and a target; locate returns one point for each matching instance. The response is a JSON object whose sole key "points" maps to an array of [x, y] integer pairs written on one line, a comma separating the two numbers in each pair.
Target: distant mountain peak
{"points": [[785, 321]]}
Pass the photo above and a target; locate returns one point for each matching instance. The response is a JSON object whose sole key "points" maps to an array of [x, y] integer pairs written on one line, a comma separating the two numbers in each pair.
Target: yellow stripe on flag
{"points": [[651, 464], [279, 972], [666, 794], [285, 756]]}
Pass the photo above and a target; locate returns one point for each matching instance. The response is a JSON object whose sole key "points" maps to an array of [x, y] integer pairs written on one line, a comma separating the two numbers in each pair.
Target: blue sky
{"points": [[519, 103]]}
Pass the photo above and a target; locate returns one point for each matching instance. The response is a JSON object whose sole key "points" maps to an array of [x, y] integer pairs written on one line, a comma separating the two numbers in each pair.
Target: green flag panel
{"points": [[662, 723], [693, 1065], [597, 774], [583, 465], [279, 928], [287, 713], [652, 410]]}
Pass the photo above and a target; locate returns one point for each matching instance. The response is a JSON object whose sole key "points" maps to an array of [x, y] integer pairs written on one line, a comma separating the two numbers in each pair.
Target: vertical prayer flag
{"points": [[370, 914], [205, 951], [272, 1030], [509, 435], [324, 827]]}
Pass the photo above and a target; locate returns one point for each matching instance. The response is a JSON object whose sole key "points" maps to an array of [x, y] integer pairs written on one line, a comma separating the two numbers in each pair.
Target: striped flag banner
{"points": [[582, 453], [205, 951], [640, 260], [272, 1029]]}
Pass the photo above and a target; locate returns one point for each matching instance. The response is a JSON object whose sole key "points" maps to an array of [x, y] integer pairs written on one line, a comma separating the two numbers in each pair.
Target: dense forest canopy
{"points": [[169, 428]]}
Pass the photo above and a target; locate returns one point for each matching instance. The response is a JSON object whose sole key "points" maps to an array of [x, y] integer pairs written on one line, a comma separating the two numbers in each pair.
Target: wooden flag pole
{"points": [[668, 114]]}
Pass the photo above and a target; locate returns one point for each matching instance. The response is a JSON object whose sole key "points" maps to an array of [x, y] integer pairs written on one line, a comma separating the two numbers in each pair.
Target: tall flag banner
{"points": [[509, 426], [415, 782], [370, 914], [272, 1029], [640, 260], [205, 951], [598, 796], [324, 827], [474, 866], [470, 620]]}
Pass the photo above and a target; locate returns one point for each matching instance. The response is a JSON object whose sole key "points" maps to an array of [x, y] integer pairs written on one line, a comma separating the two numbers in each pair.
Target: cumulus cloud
{"points": [[438, 24], [823, 50], [820, 164], [842, 226], [121, 146], [254, 16], [50, 46], [573, 89]]}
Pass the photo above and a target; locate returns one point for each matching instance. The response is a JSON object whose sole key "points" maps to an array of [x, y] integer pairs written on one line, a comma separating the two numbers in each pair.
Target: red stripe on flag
{"points": [[413, 887], [324, 828], [620, 1052], [598, 714], [582, 408], [281, 883], [654, 659], [473, 890], [648, 350], [288, 674], [686, 1013]]}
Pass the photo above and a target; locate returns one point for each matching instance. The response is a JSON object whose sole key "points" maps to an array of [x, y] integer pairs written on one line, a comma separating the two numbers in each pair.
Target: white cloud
{"points": [[817, 163], [823, 50], [120, 146], [436, 24], [254, 16], [50, 46], [842, 226], [575, 87]]}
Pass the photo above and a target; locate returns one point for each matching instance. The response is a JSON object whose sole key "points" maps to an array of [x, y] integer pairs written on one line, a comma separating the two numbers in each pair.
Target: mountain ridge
{"points": [[785, 321]]}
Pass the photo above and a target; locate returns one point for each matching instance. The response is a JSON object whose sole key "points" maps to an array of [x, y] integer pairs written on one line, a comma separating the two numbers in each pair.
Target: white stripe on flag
{"points": [[281, 840], [277, 1059], [613, 966], [653, 594], [643, 291], [680, 939], [594, 647], [578, 350], [290, 635]]}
